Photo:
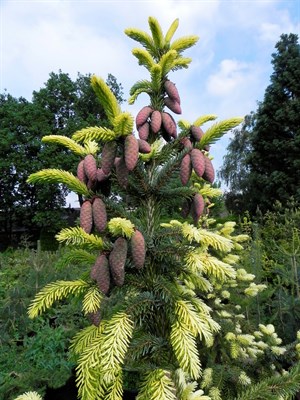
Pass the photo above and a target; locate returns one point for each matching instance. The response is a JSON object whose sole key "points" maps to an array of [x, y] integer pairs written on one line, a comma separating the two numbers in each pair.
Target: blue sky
{"points": [[231, 62]]}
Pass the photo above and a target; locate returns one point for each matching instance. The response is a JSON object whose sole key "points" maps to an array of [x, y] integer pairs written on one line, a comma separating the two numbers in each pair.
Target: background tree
{"points": [[266, 151], [275, 159], [235, 170], [60, 107]]}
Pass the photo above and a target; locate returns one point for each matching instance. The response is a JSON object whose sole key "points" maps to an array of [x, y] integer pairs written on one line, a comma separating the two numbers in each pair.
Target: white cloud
{"points": [[229, 77]]}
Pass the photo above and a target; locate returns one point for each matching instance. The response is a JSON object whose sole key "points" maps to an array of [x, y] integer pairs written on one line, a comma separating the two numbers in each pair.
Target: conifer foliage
{"points": [[150, 290]]}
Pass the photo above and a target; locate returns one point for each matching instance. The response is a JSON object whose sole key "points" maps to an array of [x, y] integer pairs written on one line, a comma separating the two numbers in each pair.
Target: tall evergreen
{"points": [[275, 159], [156, 290]]}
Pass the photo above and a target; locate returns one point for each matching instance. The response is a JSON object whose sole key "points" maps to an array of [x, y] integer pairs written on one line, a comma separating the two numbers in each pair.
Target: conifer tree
{"points": [[154, 286]]}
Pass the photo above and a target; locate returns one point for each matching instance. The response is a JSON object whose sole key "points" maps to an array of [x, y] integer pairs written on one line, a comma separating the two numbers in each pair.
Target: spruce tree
{"points": [[156, 289]]}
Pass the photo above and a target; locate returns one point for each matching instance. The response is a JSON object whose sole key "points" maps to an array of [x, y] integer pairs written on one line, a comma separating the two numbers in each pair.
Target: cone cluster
{"points": [[93, 215], [195, 159], [150, 120], [109, 267]]}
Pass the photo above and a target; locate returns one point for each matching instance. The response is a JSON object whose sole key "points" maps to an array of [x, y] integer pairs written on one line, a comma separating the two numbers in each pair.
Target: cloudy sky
{"points": [[231, 62]]}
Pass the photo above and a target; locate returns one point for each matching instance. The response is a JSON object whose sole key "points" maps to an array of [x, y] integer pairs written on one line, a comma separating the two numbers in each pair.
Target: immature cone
{"points": [[198, 161], [121, 172], [90, 167], [101, 176], [209, 172], [186, 143], [86, 216], [108, 156], [131, 152], [99, 214], [95, 317], [100, 273], [155, 122], [186, 208], [172, 105], [117, 259], [172, 91], [196, 133], [144, 130], [138, 249], [80, 172], [197, 207], [185, 169], [169, 124], [144, 147], [143, 116]]}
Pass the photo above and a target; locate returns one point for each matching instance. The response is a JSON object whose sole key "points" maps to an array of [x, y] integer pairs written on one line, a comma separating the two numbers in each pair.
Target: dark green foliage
{"points": [[274, 161], [61, 107], [274, 258], [262, 163], [33, 354]]}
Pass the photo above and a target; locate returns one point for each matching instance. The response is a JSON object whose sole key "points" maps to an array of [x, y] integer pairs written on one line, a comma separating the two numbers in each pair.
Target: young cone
{"points": [[144, 130], [172, 91], [169, 124], [155, 122], [144, 147], [95, 317], [209, 172], [196, 133], [185, 169], [101, 176], [108, 156], [117, 259], [100, 273], [121, 172], [131, 152], [172, 105], [198, 161], [197, 207], [81, 173], [143, 116], [138, 249], [86, 217], [90, 167], [99, 214], [186, 143]]}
